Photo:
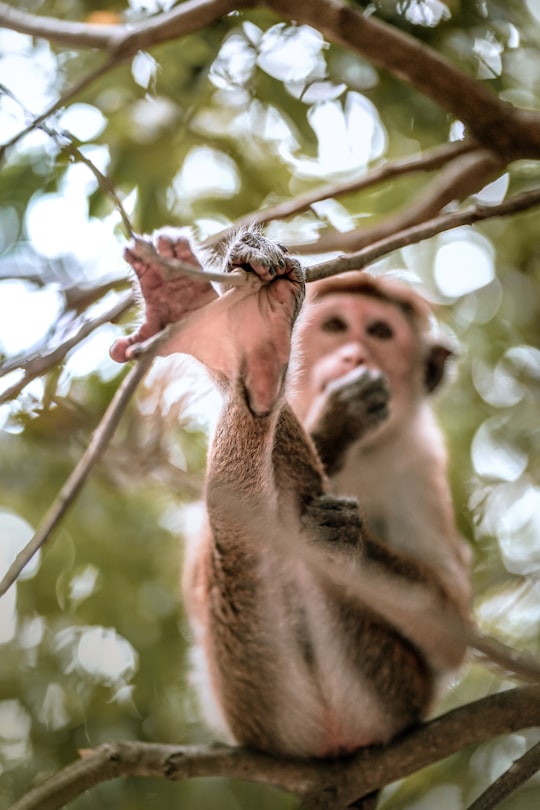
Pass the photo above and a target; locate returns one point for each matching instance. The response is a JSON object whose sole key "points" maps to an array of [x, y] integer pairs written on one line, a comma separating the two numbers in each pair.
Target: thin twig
{"points": [[146, 251], [67, 144], [60, 102], [98, 442], [417, 233], [36, 365], [517, 774], [423, 162]]}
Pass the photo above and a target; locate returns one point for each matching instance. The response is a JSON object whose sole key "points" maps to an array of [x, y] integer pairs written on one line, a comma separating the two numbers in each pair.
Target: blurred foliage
{"points": [[199, 132]]}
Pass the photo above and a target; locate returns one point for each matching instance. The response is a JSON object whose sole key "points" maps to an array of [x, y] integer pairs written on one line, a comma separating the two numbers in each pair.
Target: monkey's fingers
{"points": [[176, 246], [257, 254]]}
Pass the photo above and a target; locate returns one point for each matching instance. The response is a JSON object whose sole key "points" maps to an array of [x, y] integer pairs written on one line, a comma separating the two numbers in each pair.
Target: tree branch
{"points": [[126, 39], [518, 773], [63, 32], [524, 665], [417, 233], [460, 178], [98, 442], [423, 162], [38, 364], [121, 41], [496, 124], [348, 778]]}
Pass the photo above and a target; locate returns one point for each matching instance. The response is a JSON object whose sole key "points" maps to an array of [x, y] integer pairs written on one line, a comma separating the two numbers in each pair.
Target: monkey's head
{"points": [[356, 320]]}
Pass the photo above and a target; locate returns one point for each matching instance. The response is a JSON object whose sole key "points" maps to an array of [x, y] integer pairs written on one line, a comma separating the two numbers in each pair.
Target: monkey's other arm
{"points": [[350, 407]]}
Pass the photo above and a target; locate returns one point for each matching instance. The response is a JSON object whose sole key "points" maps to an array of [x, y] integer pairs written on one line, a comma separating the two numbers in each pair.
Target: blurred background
{"points": [[248, 112]]}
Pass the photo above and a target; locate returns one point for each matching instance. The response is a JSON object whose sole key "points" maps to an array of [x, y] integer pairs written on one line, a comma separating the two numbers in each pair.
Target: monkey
{"points": [[301, 656], [368, 347]]}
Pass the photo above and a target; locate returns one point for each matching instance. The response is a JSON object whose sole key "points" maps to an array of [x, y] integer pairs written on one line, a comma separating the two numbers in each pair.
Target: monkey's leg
{"points": [[252, 612], [243, 336], [263, 322]]}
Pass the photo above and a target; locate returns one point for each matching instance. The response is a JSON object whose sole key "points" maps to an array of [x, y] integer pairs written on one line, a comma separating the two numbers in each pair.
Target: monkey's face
{"points": [[345, 331]]}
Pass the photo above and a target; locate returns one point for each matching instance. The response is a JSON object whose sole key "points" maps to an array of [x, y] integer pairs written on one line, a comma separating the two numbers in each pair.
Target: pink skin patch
{"points": [[168, 296], [243, 335]]}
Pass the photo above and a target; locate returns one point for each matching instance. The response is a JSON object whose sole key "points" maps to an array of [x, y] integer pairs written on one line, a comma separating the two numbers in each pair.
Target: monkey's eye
{"points": [[380, 330], [334, 324]]}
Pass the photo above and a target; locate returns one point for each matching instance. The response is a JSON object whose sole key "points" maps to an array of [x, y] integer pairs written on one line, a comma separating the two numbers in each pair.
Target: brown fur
{"points": [[302, 655]]}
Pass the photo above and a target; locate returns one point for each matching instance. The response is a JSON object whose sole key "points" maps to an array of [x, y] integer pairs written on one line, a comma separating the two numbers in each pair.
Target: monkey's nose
{"points": [[354, 354]]}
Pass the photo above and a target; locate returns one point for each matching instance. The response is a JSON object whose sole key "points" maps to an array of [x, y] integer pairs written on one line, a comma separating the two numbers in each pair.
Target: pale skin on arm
{"points": [[295, 664]]}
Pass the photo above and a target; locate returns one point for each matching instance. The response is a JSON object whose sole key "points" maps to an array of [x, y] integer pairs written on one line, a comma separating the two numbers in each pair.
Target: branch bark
{"points": [[346, 779], [417, 233], [98, 442], [519, 772], [456, 181], [496, 124]]}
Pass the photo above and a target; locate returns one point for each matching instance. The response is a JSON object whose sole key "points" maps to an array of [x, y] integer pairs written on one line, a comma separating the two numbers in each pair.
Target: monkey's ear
{"points": [[435, 365]]}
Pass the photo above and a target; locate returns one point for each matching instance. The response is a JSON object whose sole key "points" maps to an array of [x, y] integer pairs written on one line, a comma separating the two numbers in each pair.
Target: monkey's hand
{"points": [[335, 525], [256, 254], [264, 317], [168, 295], [350, 406]]}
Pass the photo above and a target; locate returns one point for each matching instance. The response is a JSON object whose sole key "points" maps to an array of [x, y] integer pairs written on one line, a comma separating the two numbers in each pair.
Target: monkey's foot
{"points": [[349, 407], [168, 295], [244, 336], [264, 318]]}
